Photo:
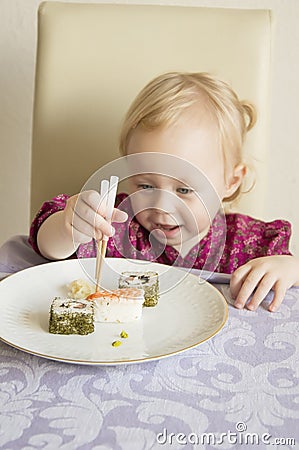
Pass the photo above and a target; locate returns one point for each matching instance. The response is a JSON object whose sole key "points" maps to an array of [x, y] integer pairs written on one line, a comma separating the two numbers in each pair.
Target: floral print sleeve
{"points": [[248, 238], [276, 238]]}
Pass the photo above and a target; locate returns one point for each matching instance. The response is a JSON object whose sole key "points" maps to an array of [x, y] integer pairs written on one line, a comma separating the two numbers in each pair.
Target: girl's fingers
{"points": [[85, 214], [93, 200], [279, 294], [278, 273], [97, 224], [119, 216], [80, 237], [237, 279], [250, 282], [263, 289], [83, 230], [90, 208]]}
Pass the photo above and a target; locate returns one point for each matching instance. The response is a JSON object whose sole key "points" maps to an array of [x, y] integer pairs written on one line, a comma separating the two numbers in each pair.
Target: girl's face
{"points": [[162, 202]]}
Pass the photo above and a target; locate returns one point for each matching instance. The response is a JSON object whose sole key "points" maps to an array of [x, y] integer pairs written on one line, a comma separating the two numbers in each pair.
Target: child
{"points": [[198, 120]]}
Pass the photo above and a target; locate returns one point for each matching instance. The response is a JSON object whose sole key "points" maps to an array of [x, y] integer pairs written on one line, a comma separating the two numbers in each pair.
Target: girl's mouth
{"points": [[169, 230]]}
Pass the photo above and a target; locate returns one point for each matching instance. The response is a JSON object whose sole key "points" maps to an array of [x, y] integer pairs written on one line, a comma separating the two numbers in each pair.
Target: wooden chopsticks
{"points": [[108, 194]]}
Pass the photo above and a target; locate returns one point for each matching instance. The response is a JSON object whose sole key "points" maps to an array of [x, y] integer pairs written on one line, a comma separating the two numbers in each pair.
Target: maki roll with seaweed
{"points": [[148, 281], [70, 316]]}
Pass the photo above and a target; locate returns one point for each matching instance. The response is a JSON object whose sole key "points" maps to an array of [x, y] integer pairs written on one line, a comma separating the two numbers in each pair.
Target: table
{"points": [[240, 386]]}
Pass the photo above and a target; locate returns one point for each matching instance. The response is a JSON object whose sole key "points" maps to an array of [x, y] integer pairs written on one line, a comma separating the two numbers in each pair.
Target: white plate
{"points": [[189, 312]]}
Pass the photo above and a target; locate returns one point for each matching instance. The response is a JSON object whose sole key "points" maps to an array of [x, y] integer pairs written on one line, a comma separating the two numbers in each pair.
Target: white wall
{"points": [[17, 55]]}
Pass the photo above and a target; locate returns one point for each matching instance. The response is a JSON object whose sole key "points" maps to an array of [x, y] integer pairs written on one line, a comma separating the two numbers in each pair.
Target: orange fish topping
{"points": [[123, 292]]}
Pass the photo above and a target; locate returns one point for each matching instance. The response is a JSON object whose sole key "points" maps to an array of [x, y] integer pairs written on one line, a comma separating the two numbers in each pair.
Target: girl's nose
{"points": [[164, 201]]}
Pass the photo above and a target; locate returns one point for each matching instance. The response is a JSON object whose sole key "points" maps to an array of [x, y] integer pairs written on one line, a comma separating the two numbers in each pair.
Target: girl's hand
{"points": [[84, 217], [263, 274]]}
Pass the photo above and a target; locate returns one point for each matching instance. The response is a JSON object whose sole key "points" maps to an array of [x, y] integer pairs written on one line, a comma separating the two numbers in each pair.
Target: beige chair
{"points": [[92, 59]]}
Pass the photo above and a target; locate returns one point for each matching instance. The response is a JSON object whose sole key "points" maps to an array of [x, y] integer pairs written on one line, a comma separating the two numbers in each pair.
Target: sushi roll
{"points": [[69, 316], [148, 281], [120, 305]]}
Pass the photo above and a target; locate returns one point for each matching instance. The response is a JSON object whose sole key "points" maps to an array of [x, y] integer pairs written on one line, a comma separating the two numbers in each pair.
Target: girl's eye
{"points": [[145, 186], [184, 191]]}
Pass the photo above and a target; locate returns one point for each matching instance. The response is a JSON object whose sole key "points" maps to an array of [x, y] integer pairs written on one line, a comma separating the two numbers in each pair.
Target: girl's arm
{"points": [[81, 221], [54, 238], [278, 272]]}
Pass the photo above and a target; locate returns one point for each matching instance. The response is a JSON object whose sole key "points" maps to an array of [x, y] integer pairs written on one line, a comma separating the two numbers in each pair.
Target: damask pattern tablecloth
{"points": [[238, 390]]}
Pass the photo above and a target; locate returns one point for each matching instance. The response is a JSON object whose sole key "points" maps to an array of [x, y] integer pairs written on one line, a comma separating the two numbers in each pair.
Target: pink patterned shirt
{"points": [[232, 240]]}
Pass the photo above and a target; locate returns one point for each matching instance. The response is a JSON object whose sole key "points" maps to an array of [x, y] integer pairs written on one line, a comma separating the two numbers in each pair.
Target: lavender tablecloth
{"points": [[238, 390]]}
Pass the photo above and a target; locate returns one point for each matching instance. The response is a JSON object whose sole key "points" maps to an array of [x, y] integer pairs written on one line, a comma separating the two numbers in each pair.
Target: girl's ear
{"points": [[235, 179]]}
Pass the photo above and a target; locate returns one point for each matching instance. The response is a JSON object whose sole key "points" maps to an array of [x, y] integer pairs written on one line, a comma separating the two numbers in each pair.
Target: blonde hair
{"points": [[162, 101]]}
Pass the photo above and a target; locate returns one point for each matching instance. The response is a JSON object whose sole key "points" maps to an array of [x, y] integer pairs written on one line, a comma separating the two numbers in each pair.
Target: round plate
{"points": [[189, 312]]}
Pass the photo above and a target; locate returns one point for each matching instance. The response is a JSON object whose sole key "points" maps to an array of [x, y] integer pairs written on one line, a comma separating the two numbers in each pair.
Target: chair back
{"points": [[92, 60]]}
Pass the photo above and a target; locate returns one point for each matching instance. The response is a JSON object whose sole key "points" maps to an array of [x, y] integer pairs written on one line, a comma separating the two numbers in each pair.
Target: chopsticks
{"points": [[108, 194]]}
